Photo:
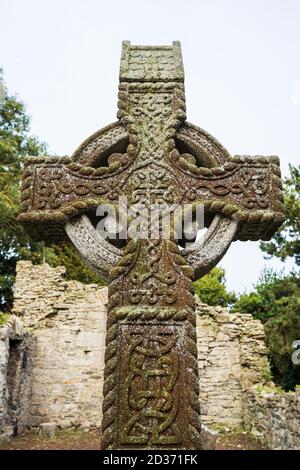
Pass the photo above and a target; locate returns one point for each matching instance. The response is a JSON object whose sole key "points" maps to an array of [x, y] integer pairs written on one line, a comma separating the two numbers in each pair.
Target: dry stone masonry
{"points": [[67, 320], [16, 354], [274, 416], [59, 327], [232, 358]]}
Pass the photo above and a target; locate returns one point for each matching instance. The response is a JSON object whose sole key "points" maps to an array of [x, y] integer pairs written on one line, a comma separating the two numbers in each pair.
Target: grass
{"points": [[90, 440]]}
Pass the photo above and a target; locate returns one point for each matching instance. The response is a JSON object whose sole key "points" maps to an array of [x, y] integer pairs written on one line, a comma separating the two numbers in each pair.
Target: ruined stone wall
{"points": [[15, 377], [65, 324], [274, 417], [4, 347], [232, 357], [67, 321]]}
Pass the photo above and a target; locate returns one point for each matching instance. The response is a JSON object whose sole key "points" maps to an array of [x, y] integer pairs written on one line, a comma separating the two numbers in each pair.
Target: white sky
{"points": [[242, 68]]}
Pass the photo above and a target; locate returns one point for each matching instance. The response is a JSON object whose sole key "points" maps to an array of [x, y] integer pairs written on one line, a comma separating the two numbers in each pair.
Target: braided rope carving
{"points": [[116, 313], [270, 218]]}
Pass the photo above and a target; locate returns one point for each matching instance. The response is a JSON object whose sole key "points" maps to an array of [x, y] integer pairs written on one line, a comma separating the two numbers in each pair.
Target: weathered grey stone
{"points": [[94, 249], [3, 333], [48, 429], [208, 438], [204, 254], [274, 416], [15, 377], [6, 434]]}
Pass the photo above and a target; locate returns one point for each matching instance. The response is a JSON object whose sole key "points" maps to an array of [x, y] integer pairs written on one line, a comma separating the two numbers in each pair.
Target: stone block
{"points": [[48, 429], [4, 333]]}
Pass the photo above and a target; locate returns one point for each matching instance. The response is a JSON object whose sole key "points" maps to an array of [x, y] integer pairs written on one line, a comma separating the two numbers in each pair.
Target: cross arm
{"points": [[55, 189], [248, 189]]}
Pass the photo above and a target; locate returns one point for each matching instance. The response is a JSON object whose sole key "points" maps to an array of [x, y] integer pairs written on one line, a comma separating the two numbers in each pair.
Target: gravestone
{"points": [[153, 157]]}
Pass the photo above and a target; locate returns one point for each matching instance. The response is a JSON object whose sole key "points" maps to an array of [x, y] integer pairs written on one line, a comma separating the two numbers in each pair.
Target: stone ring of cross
{"points": [[151, 155], [202, 149], [200, 157]]}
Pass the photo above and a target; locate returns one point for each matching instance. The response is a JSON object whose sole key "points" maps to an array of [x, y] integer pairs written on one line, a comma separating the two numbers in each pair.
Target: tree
{"points": [[276, 302], [15, 143], [276, 297], [212, 289], [286, 241], [284, 326], [64, 254]]}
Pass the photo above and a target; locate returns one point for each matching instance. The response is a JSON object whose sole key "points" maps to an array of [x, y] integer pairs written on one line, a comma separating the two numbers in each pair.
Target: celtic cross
{"points": [[151, 155]]}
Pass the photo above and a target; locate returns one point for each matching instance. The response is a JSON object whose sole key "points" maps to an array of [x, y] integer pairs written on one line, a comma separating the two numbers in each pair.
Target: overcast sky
{"points": [[242, 69]]}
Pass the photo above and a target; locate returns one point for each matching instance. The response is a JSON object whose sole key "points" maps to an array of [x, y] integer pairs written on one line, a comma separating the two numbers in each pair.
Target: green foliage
{"points": [[66, 255], [276, 297], [3, 318], [212, 289], [249, 303], [286, 241], [15, 143], [276, 302]]}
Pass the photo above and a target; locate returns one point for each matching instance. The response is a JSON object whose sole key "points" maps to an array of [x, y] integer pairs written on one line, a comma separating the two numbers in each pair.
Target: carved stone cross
{"points": [[151, 155]]}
